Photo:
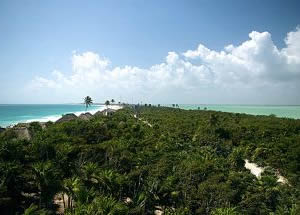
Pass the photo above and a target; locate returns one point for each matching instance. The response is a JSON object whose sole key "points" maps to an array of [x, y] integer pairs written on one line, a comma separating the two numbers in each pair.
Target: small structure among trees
{"points": [[67, 117], [108, 112]]}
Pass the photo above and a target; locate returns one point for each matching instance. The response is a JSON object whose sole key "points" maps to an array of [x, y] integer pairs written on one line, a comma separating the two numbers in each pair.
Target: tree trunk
{"points": [[40, 201], [68, 201], [63, 197]]}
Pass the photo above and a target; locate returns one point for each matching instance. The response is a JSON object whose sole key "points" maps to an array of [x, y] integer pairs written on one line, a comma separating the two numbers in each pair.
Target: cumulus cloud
{"points": [[255, 66]]}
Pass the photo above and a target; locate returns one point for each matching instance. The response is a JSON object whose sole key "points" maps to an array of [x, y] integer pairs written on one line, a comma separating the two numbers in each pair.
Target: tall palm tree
{"points": [[87, 101], [107, 103], [112, 101]]}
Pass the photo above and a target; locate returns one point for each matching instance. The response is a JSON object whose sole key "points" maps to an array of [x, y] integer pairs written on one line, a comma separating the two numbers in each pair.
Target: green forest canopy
{"points": [[186, 162]]}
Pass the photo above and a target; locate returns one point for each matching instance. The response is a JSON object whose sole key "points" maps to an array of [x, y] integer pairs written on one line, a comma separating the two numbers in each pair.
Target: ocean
{"points": [[13, 114], [287, 111]]}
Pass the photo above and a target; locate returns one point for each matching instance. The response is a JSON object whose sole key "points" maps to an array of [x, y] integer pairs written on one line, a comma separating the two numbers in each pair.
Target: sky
{"points": [[185, 51]]}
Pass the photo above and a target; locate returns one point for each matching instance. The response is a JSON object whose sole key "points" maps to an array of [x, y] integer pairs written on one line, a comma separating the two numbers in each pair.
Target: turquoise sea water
{"points": [[292, 111], [12, 114]]}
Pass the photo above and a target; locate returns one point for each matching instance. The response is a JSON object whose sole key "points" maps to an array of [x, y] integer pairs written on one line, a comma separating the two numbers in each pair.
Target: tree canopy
{"points": [[168, 159]]}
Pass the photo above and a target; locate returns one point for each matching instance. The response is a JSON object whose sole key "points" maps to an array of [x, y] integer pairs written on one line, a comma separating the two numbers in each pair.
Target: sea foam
{"points": [[54, 118]]}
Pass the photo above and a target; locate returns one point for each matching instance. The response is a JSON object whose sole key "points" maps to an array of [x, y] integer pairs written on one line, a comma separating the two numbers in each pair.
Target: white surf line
{"points": [[54, 118], [257, 171]]}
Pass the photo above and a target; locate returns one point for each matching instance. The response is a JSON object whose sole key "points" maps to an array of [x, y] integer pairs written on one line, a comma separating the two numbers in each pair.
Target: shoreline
{"points": [[55, 117], [279, 111], [289, 112]]}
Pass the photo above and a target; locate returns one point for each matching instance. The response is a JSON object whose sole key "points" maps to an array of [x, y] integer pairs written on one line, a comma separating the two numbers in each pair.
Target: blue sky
{"points": [[40, 37]]}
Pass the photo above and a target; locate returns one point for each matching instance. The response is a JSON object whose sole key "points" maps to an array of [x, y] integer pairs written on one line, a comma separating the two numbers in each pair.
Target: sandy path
{"points": [[144, 121], [257, 171]]}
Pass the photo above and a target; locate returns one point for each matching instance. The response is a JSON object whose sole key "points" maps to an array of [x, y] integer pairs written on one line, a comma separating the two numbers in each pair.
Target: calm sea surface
{"points": [[292, 111], [12, 114]]}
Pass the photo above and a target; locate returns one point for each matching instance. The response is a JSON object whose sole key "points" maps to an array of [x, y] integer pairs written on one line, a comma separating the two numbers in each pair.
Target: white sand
{"points": [[256, 170], [144, 121]]}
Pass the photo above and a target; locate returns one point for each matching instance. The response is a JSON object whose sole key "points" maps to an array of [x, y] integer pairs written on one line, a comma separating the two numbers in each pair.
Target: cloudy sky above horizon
{"points": [[208, 52]]}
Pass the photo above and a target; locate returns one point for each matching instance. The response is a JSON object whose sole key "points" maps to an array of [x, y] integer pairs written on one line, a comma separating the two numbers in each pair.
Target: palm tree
{"points": [[112, 101], [87, 101], [89, 171], [107, 103], [46, 179], [225, 211], [106, 205], [70, 186]]}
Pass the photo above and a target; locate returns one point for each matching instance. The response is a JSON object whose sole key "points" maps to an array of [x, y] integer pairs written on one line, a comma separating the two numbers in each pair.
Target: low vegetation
{"points": [[186, 162]]}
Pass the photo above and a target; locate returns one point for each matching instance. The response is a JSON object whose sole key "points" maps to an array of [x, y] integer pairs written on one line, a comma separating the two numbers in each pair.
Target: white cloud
{"points": [[201, 73], [88, 60], [293, 47]]}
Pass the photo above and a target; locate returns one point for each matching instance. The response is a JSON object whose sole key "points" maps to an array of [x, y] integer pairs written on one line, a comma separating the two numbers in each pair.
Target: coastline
{"points": [[55, 117], [290, 112], [280, 111]]}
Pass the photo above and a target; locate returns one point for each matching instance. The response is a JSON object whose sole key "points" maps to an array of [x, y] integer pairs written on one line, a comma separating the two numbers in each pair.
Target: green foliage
{"points": [[101, 205], [183, 162], [34, 210], [225, 211]]}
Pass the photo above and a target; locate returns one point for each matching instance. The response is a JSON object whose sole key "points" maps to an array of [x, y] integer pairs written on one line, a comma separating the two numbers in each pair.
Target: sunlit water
{"points": [[13, 114]]}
